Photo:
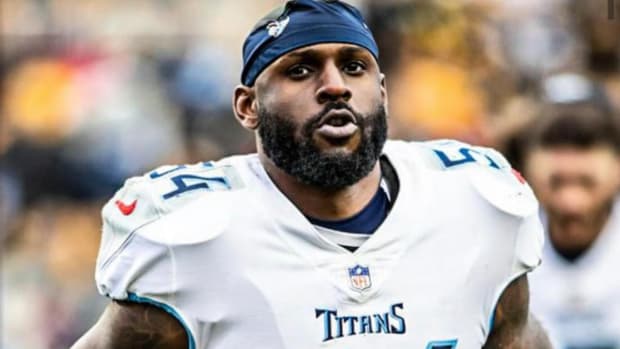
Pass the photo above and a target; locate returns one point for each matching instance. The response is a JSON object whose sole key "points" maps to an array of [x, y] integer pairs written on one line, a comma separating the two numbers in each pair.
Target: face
{"points": [[321, 114], [576, 187]]}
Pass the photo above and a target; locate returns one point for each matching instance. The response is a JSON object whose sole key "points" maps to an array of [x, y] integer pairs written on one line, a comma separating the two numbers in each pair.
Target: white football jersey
{"points": [[222, 249], [579, 302]]}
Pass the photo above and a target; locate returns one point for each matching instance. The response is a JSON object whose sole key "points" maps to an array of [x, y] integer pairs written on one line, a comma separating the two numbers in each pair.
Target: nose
{"points": [[571, 200], [333, 86]]}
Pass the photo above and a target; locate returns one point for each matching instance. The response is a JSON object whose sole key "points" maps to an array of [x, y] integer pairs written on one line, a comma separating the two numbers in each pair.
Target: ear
{"points": [[383, 87], [245, 106], [617, 172]]}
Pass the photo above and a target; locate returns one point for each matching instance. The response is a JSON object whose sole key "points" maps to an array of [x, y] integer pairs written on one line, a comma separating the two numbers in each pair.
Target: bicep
{"points": [[514, 327], [125, 325]]}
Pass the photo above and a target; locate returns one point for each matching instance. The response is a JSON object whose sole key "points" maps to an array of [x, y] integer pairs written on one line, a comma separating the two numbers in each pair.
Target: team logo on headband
{"points": [[276, 28]]}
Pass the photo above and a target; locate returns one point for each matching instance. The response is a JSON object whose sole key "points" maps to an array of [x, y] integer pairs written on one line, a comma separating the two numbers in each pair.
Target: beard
{"points": [[300, 157]]}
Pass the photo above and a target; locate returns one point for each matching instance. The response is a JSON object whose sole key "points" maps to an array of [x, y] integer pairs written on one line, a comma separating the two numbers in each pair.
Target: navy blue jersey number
{"points": [[188, 182], [199, 182], [155, 174], [465, 155]]}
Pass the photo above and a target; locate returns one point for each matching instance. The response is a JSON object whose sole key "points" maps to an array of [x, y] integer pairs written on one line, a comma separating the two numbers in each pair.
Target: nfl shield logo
{"points": [[360, 277]]}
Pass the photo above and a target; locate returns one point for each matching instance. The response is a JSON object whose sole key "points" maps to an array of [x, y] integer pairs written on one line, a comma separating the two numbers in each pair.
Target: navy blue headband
{"points": [[303, 23]]}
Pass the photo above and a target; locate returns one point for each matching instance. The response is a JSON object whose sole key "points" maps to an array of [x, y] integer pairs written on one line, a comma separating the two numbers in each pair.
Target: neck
{"points": [[322, 203]]}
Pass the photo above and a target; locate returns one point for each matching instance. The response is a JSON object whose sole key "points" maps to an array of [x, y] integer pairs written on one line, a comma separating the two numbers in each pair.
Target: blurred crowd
{"points": [[96, 91]]}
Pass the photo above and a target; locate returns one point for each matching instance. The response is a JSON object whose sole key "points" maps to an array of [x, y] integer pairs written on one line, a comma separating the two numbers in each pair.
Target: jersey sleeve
{"points": [[502, 187], [136, 262], [528, 246], [513, 245], [507, 190]]}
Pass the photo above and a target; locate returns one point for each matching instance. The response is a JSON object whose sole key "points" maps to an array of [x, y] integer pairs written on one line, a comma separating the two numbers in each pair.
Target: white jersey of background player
{"points": [[579, 302], [222, 249], [250, 251]]}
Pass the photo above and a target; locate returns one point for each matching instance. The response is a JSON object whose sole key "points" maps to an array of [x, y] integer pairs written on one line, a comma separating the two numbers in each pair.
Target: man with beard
{"points": [[573, 161], [329, 236]]}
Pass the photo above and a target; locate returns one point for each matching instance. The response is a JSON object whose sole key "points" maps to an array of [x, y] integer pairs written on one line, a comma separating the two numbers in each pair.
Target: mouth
{"points": [[337, 117], [337, 124]]}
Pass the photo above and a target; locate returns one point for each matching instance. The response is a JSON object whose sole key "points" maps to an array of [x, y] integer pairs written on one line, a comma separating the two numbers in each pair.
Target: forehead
{"points": [[595, 161]]}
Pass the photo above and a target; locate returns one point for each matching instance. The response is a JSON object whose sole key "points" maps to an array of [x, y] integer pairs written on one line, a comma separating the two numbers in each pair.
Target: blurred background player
{"points": [[572, 160]]}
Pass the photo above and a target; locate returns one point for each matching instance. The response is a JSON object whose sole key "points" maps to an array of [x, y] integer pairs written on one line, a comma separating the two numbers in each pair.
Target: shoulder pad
{"points": [[488, 171], [147, 198]]}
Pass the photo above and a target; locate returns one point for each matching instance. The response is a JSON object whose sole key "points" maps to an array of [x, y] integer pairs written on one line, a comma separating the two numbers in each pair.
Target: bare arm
{"points": [[514, 327], [126, 325]]}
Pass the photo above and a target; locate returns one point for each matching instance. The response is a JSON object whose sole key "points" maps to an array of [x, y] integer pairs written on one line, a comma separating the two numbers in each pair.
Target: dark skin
{"points": [[299, 84], [514, 326], [131, 325]]}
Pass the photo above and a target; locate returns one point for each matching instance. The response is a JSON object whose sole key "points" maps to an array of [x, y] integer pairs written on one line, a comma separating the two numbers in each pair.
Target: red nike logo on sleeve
{"points": [[519, 176], [126, 209]]}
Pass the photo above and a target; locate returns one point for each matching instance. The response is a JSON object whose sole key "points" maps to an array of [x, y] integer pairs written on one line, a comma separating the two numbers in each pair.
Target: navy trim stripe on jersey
{"points": [[390, 179], [132, 297], [364, 222]]}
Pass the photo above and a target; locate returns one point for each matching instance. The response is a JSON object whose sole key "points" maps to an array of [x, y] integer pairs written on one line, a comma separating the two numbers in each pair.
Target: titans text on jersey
{"points": [[335, 326], [224, 251]]}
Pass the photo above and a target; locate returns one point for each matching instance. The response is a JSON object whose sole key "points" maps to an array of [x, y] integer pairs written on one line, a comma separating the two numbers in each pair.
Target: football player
{"points": [[329, 236], [573, 161]]}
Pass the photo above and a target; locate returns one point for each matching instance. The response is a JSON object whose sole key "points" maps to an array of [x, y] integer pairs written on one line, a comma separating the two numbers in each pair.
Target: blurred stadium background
{"points": [[94, 91]]}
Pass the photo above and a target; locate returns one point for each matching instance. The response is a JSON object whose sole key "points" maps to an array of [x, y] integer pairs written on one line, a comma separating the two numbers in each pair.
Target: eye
{"points": [[556, 182], [354, 68], [298, 71], [587, 182]]}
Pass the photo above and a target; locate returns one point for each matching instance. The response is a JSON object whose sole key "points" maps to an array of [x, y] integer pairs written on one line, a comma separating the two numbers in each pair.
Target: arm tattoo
{"points": [[537, 337], [514, 327], [145, 326], [126, 325]]}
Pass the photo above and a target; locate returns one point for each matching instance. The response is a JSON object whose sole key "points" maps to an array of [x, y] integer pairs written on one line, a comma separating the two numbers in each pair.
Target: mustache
{"points": [[564, 219], [314, 120]]}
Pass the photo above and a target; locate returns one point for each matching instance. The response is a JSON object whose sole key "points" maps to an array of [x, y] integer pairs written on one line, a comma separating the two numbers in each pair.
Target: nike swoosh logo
{"points": [[126, 209], [519, 176]]}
